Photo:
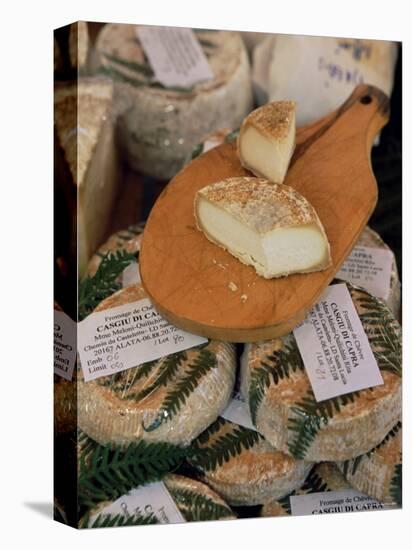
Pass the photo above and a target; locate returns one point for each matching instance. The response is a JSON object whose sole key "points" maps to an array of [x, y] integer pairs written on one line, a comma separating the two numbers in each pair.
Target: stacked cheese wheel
{"points": [[158, 126]]}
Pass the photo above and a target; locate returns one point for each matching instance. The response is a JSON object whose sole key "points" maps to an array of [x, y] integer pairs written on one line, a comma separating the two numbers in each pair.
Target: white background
{"points": [[26, 271]]}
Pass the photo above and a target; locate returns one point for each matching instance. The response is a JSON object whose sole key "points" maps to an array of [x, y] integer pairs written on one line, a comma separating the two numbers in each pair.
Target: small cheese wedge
{"points": [[267, 140], [268, 226]]}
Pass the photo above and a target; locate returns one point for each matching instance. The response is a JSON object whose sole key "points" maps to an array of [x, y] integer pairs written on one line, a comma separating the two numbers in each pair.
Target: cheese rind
{"points": [[84, 127], [269, 226], [158, 127], [283, 407], [376, 473], [132, 405], [267, 140], [243, 467]]}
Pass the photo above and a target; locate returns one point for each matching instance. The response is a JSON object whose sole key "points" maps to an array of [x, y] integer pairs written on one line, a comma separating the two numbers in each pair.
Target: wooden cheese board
{"points": [[201, 288]]}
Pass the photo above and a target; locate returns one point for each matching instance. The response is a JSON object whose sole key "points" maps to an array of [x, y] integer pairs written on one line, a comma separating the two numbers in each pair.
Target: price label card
{"points": [[125, 336], [334, 502], [152, 499], [334, 347], [370, 268], [175, 55], [64, 344]]}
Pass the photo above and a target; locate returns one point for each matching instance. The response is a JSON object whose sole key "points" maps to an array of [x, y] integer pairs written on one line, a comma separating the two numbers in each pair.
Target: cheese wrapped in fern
{"points": [[322, 478], [171, 399], [244, 468], [283, 406], [378, 473]]}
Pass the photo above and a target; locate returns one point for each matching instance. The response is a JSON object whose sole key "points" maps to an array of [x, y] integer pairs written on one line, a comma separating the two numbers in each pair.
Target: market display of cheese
{"points": [[85, 132], [172, 399], [78, 45], [158, 126], [283, 406], [128, 239], [267, 140], [378, 473], [370, 238], [323, 477], [269, 226], [244, 468]]}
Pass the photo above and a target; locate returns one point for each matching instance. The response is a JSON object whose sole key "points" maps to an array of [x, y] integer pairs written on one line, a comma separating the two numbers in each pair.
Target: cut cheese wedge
{"points": [[267, 140], [322, 478], [172, 399], [378, 473], [284, 409], [243, 467], [268, 226]]}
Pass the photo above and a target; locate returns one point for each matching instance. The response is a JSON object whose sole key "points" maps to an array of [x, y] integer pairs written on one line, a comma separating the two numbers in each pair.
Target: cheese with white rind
{"points": [[378, 473], [195, 501], [324, 477], [158, 127], [244, 468], [172, 399], [83, 119], [371, 239], [268, 226], [129, 240], [267, 140], [283, 407]]}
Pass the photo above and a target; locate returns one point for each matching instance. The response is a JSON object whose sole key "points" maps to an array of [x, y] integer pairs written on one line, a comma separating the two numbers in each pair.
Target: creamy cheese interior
{"points": [[269, 157], [276, 253]]}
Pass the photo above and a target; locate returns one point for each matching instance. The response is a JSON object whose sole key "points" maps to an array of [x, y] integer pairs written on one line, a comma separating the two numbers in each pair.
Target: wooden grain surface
{"points": [[203, 289]]}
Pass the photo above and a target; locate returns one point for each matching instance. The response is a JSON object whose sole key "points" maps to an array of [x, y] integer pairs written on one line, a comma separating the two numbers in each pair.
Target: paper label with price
{"points": [[149, 500], [334, 347], [64, 345], [125, 336]]}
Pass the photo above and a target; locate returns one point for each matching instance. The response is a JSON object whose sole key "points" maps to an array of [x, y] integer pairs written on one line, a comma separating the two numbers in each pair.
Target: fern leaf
{"points": [[396, 485], [176, 397], [198, 507], [223, 448], [118, 520], [109, 473]]}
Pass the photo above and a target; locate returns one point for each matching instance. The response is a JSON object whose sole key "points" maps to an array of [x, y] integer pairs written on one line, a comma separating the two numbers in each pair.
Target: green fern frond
{"points": [[308, 418], [273, 368], [92, 290], [223, 448], [167, 371], [232, 135], [396, 485], [143, 69], [108, 473], [118, 520], [198, 507], [176, 397], [197, 151]]}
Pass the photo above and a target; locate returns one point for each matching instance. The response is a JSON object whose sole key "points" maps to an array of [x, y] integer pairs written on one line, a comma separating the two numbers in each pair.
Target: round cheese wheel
{"points": [[158, 126], [171, 399], [323, 477], [128, 239], [378, 473], [284, 409], [244, 468]]}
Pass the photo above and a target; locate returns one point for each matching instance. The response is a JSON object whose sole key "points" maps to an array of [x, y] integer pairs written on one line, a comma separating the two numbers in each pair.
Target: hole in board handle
{"points": [[366, 99]]}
